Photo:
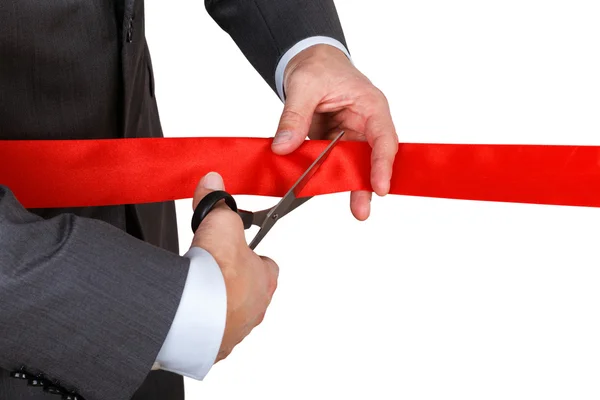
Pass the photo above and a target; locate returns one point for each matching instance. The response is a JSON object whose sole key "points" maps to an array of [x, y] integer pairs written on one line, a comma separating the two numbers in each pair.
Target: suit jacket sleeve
{"points": [[83, 302], [265, 29]]}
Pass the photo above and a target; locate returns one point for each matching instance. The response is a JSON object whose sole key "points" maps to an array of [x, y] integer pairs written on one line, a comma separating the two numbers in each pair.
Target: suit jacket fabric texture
{"points": [[87, 295]]}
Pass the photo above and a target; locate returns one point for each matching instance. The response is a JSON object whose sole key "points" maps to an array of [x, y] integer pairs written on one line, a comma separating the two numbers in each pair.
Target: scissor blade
{"points": [[290, 201], [295, 204], [259, 217], [299, 185]]}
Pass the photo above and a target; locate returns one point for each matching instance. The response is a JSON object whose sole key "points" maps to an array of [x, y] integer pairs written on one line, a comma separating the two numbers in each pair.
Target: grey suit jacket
{"points": [[87, 295]]}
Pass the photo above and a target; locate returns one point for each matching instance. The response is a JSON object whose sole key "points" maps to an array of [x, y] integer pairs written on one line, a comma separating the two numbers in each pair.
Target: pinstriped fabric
{"points": [[75, 284]]}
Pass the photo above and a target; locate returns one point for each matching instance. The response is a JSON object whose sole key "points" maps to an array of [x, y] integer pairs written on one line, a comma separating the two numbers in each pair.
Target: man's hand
{"points": [[325, 93], [250, 280]]}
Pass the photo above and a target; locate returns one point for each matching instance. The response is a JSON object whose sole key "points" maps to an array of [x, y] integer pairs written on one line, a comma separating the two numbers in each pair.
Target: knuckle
{"points": [[292, 115], [272, 284], [271, 275], [269, 260], [377, 99], [270, 264], [376, 93], [272, 287], [382, 97]]}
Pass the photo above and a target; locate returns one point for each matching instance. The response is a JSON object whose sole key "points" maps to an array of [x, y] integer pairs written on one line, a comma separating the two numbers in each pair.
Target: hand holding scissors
{"points": [[264, 219], [250, 280]]}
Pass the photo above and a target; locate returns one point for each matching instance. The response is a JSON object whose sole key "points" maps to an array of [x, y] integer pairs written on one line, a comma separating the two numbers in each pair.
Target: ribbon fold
{"points": [[83, 173]]}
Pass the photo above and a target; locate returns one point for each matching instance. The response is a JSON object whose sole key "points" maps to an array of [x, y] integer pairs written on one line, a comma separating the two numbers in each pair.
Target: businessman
{"points": [[96, 302]]}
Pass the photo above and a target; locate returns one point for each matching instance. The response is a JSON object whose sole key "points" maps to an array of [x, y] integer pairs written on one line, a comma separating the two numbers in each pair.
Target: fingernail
{"points": [[212, 181], [282, 137]]}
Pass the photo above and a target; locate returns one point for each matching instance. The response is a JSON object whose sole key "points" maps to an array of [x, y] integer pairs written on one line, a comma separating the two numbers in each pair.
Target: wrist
{"points": [[320, 52], [195, 336]]}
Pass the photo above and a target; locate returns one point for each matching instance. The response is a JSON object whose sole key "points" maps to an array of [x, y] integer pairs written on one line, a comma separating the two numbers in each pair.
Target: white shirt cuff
{"points": [[297, 48], [194, 339]]}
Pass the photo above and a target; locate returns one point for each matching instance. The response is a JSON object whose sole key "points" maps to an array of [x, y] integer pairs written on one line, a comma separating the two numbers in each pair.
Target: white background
{"points": [[431, 298]]}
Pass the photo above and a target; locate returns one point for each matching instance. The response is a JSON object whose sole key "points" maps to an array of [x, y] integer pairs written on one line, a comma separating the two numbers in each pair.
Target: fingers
{"points": [[250, 304], [296, 118], [382, 136], [209, 183], [250, 280], [360, 204], [220, 222]]}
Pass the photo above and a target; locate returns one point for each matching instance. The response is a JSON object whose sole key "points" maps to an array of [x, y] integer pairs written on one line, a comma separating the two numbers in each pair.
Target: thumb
{"points": [[209, 183], [295, 121]]}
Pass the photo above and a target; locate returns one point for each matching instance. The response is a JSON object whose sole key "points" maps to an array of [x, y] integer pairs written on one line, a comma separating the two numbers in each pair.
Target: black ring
{"points": [[208, 203]]}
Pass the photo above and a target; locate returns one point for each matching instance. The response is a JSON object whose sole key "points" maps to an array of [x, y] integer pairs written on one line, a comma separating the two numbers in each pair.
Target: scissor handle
{"points": [[247, 218], [210, 201]]}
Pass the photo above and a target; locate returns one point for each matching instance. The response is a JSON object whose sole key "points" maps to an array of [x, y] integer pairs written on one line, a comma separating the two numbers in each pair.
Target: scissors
{"points": [[264, 219]]}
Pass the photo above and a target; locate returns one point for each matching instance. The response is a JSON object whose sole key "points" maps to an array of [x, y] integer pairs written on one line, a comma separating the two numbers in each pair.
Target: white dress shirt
{"points": [[194, 339]]}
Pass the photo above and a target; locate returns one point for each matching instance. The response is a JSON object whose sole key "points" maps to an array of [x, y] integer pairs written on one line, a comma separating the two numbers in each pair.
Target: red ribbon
{"points": [[72, 173]]}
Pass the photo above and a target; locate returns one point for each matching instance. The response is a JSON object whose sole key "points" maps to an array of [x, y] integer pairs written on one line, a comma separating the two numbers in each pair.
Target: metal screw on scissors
{"points": [[264, 219]]}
